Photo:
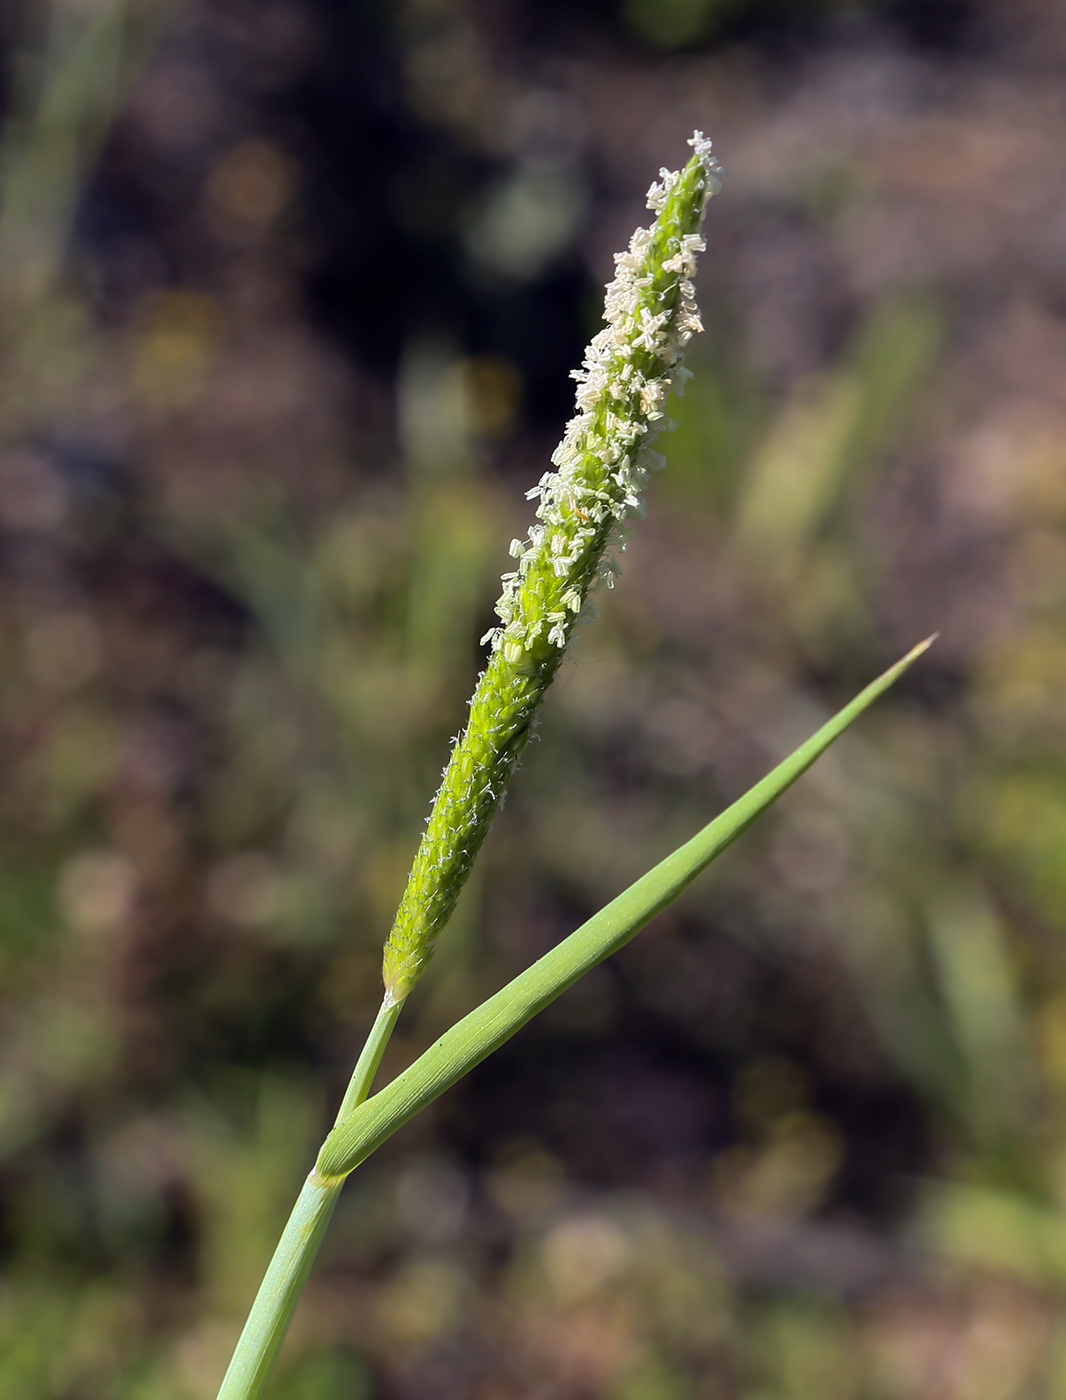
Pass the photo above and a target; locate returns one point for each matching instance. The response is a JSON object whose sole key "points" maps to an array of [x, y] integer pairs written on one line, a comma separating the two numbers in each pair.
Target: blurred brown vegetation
{"points": [[290, 292]]}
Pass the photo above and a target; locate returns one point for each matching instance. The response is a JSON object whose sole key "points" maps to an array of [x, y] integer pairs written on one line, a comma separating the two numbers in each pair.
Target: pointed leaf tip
{"points": [[896, 670]]}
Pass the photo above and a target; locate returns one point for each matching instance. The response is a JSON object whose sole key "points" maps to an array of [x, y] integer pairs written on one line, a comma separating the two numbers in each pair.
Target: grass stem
{"points": [[369, 1058], [275, 1303]]}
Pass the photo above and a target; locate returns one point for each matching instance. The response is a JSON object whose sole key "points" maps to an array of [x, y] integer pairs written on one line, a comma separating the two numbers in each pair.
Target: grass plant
{"points": [[602, 466], [317, 633]]}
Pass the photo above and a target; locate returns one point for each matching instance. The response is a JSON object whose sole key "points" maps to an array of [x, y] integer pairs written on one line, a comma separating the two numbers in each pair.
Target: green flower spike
{"points": [[602, 466]]}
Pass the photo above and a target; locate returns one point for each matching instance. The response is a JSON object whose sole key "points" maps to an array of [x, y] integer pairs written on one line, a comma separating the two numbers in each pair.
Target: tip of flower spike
{"points": [[713, 167], [702, 146]]}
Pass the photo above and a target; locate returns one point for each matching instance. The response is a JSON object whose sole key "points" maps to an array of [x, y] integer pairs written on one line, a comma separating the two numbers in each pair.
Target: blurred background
{"points": [[290, 291]]}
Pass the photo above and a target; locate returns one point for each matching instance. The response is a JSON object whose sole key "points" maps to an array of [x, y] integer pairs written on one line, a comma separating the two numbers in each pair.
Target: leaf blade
{"points": [[484, 1029]]}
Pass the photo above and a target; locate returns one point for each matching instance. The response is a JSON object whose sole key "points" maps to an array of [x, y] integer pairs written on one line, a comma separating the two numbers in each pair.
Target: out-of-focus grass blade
{"points": [[831, 429], [496, 1020], [41, 172]]}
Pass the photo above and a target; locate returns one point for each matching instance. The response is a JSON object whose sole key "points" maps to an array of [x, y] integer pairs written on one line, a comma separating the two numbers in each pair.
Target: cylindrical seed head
{"points": [[602, 465]]}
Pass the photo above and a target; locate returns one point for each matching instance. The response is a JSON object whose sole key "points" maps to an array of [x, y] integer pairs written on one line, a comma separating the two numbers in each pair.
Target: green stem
{"points": [[275, 1303], [367, 1064], [280, 1290]]}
